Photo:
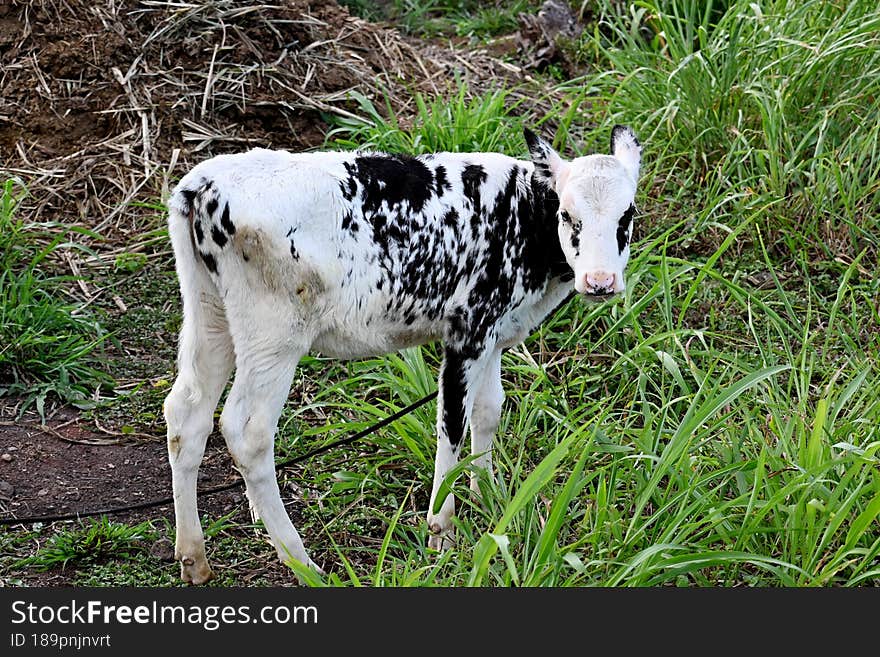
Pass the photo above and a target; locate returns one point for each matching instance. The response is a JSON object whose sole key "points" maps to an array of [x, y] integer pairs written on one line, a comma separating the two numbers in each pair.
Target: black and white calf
{"points": [[358, 254]]}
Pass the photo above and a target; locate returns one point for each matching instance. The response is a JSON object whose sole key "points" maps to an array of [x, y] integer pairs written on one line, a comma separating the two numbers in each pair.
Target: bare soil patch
{"points": [[65, 467]]}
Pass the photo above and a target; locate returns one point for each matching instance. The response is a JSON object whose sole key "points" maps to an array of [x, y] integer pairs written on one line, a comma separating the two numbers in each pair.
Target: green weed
{"points": [[92, 542], [433, 18], [460, 123], [46, 341]]}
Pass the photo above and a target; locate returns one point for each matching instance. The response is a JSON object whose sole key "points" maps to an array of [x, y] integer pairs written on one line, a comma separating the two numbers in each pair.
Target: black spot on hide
{"points": [[542, 255], [348, 222], [441, 182], [189, 198], [472, 178], [348, 186], [210, 261], [623, 228], [218, 236], [392, 180], [226, 222], [452, 380], [533, 142], [379, 236]]}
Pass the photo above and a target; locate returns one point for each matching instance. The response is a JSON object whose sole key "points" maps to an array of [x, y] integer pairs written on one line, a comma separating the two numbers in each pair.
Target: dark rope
{"points": [[381, 424]]}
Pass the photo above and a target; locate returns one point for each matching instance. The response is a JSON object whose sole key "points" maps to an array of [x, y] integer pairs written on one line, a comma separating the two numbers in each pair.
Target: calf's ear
{"points": [[626, 148], [550, 168]]}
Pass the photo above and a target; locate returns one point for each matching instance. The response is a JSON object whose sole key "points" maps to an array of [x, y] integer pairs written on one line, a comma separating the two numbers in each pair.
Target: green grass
{"points": [[91, 542], [719, 425], [462, 122], [436, 18], [47, 342]]}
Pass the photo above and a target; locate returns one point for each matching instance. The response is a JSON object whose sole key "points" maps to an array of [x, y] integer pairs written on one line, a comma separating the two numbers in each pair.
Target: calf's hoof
{"points": [[195, 571], [440, 539]]}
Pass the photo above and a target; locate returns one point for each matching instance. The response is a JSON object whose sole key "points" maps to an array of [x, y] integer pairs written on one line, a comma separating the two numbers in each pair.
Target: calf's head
{"points": [[596, 207]]}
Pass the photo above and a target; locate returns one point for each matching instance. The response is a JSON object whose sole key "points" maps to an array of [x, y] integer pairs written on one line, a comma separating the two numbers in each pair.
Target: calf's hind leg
{"points": [[204, 363], [263, 375]]}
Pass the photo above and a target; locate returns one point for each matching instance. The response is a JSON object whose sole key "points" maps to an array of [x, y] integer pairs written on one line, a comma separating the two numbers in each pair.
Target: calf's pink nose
{"points": [[598, 282]]}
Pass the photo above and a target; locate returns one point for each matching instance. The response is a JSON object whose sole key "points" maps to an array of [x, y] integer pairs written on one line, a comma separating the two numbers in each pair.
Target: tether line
{"points": [[381, 424]]}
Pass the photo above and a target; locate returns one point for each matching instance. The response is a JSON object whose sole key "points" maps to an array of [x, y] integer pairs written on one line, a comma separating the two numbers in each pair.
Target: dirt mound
{"points": [[103, 104], [196, 76]]}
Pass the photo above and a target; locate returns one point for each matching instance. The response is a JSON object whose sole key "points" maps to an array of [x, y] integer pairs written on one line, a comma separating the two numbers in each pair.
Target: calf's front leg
{"points": [[461, 374], [485, 416]]}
